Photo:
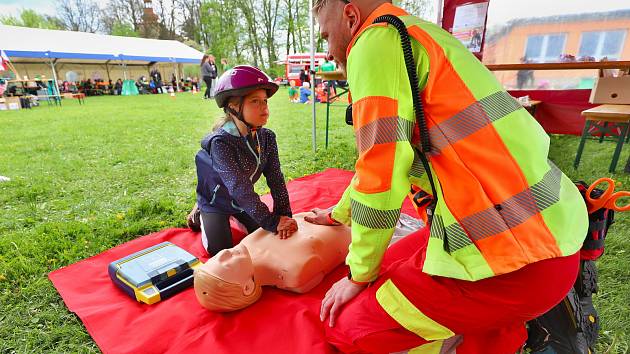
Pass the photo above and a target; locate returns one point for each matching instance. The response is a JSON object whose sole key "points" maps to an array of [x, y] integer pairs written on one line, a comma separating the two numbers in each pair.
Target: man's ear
{"points": [[352, 15]]}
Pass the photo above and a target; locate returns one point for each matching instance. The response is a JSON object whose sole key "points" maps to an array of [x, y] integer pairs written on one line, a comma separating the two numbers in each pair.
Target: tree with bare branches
{"points": [[79, 15]]}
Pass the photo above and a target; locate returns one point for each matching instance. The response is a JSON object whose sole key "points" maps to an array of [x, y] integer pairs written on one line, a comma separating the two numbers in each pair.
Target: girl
{"points": [[233, 158]]}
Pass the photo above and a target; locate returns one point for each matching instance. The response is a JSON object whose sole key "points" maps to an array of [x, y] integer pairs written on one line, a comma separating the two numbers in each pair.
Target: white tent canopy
{"points": [[30, 44]]}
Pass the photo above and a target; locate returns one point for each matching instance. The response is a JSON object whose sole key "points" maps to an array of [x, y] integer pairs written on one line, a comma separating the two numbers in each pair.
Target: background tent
{"points": [[36, 52]]}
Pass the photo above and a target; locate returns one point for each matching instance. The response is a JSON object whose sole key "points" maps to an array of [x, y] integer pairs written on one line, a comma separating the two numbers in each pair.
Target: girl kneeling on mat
{"points": [[233, 157]]}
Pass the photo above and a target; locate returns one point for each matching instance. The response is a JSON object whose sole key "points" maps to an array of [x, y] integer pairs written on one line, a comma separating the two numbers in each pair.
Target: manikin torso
{"points": [[297, 263], [300, 262]]}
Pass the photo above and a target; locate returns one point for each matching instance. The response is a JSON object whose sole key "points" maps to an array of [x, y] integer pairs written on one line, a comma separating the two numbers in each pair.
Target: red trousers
{"points": [[488, 316]]}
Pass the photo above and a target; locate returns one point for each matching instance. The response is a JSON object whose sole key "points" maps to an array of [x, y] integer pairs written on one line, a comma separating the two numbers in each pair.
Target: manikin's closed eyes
{"points": [[232, 279]]}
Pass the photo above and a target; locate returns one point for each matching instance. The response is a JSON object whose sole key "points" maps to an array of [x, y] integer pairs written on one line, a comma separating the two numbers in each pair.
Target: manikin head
{"points": [[339, 21], [226, 282]]}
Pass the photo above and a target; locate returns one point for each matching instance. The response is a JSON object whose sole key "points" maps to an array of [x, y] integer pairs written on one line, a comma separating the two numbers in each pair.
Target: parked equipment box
{"points": [[155, 273]]}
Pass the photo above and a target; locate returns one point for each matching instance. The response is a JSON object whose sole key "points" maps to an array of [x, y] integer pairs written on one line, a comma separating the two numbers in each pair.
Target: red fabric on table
{"points": [[280, 322], [561, 110]]}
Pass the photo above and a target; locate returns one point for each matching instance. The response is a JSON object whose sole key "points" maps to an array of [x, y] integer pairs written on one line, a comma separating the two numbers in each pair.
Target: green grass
{"points": [[87, 178]]}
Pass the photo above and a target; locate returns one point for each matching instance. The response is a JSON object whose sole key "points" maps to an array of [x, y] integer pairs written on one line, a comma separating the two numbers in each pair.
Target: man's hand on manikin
{"points": [[339, 294], [321, 217]]}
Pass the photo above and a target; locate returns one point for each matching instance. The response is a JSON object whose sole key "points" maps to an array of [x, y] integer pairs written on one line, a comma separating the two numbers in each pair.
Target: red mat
{"points": [[280, 322]]}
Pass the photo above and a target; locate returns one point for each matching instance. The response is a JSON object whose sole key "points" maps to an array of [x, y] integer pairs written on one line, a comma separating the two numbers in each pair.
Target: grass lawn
{"points": [[87, 178]]}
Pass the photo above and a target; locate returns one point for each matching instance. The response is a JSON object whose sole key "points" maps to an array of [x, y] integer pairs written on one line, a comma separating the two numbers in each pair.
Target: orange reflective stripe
{"points": [[371, 108], [371, 115], [441, 104], [370, 179], [519, 246], [472, 119]]}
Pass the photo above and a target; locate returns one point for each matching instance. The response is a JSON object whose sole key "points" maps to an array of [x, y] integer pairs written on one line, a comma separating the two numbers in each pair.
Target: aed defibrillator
{"points": [[155, 273]]}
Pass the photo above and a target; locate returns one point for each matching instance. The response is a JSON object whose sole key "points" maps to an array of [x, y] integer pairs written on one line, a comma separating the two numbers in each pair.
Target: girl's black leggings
{"points": [[216, 234]]}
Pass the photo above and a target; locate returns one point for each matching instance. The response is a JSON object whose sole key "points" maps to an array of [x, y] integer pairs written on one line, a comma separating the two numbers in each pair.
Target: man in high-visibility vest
{"points": [[502, 244]]}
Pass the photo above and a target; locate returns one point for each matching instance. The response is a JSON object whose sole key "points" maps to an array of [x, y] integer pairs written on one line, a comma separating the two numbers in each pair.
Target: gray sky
{"points": [[13, 7], [48, 7], [500, 10]]}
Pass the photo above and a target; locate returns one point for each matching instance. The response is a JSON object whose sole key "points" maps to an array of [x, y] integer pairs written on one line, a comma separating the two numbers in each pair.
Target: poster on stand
{"points": [[469, 25]]}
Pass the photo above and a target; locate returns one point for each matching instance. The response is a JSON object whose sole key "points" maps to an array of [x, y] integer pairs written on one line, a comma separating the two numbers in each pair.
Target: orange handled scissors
{"points": [[608, 199]]}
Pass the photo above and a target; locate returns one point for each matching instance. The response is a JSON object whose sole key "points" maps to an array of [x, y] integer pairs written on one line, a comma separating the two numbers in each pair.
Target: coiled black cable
{"points": [[425, 141]]}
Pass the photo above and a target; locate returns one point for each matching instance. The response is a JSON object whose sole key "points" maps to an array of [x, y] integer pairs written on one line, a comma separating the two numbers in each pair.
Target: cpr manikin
{"points": [[232, 279]]}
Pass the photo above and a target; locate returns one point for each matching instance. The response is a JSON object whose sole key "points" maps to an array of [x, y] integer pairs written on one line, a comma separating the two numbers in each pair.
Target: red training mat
{"points": [[280, 322]]}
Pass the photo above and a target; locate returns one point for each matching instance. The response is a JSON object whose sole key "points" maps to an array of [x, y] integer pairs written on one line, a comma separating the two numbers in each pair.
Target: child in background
{"points": [[305, 92], [294, 93]]}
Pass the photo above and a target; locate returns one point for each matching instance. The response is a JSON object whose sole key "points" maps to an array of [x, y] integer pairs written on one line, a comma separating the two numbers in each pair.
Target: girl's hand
{"points": [[286, 227], [194, 219]]}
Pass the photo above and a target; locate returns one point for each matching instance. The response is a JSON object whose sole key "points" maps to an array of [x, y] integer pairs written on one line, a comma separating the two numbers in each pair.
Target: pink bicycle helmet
{"points": [[241, 80]]}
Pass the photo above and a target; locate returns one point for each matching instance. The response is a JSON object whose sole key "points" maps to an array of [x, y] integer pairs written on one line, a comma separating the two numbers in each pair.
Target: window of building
{"points": [[599, 44], [541, 48]]}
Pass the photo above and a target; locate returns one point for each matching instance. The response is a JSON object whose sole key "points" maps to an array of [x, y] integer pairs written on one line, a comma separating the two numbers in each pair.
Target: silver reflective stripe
{"points": [[417, 168], [472, 119], [453, 236], [382, 131], [502, 217], [373, 218]]}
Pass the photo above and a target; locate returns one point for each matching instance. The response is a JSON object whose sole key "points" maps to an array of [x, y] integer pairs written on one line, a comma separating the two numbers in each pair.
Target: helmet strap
{"points": [[239, 115]]}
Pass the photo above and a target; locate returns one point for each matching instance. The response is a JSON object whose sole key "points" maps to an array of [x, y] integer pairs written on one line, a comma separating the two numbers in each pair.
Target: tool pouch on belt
{"points": [[598, 223], [423, 202]]}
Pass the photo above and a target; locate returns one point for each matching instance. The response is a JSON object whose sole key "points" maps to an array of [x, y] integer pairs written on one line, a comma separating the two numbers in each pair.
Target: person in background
{"points": [[118, 87], [157, 79], [303, 76], [294, 92], [233, 157], [524, 77], [225, 66], [174, 82], [208, 74], [305, 92], [327, 66]]}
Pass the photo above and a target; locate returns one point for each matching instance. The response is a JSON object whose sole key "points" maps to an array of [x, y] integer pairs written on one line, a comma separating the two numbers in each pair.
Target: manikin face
{"points": [[233, 265], [338, 22], [255, 108]]}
